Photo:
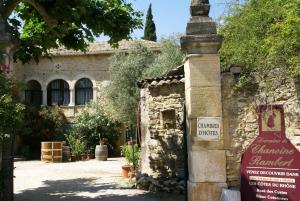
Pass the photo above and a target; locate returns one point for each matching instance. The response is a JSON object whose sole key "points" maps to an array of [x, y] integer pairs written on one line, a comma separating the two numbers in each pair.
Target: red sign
{"points": [[270, 169]]}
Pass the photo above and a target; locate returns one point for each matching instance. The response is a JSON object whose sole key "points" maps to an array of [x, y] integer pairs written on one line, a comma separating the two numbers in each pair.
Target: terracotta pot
{"points": [[128, 171], [91, 156], [84, 157], [74, 158]]}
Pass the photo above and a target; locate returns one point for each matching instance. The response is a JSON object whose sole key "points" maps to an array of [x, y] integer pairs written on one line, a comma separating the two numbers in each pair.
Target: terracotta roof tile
{"points": [[102, 47]]}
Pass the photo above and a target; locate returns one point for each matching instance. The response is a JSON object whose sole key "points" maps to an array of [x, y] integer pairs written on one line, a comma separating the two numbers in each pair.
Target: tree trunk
{"points": [[6, 148], [7, 169], [1, 194]]}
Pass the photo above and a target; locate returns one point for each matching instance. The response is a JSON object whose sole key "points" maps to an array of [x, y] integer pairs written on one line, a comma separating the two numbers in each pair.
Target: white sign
{"points": [[208, 128]]}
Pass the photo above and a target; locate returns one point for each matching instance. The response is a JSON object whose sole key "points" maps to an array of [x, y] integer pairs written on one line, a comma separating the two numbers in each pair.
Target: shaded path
{"points": [[79, 181]]}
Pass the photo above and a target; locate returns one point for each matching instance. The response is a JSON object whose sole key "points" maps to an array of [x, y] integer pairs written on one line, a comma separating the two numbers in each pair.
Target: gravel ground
{"points": [[78, 181]]}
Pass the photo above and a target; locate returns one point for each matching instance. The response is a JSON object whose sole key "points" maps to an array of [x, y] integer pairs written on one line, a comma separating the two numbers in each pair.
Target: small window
{"points": [[169, 119], [33, 93], [83, 91], [58, 93]]}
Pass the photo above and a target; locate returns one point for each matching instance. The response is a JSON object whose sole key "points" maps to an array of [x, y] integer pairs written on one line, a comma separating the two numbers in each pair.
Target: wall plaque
{"points": [[270, 169], [208, 128]]}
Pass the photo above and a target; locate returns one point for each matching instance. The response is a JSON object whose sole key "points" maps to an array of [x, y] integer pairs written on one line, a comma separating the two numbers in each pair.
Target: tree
{"points": [[128, 68], [150, 29], [39, 25], [93, 123], [11, 119], [11, 112], [170, 57], [263, 35]]}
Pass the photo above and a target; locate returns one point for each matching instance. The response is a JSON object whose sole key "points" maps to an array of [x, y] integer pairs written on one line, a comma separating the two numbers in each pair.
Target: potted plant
{"points": [[91, 153], [131, 154], [77, 146]]}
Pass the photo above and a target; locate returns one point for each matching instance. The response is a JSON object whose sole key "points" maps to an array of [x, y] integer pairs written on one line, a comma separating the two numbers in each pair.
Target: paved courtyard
{"points": [[78, 181]]}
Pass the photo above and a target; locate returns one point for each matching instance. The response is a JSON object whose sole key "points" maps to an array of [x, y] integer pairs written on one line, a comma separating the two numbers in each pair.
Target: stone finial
{"points": [[201, 31], [200, 8]]}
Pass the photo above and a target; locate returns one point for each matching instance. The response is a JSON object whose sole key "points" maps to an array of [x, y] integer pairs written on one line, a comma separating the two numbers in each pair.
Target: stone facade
{"points": [[241, 118], [162, 128], [240, 125], [71, 66]]}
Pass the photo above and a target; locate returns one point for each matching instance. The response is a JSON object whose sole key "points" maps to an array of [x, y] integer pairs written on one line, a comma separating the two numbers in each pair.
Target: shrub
{"points": [[126, 151], [94, 123], [76, 143]]}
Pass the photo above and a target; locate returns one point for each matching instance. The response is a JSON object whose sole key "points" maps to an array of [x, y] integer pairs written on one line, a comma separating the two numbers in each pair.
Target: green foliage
{"points": [[263, 35], [150, 29], [92, 122], [170, 57], [126, 69], [42, 25], [11, 112], [76, 143], [126, 151], [46, 122]]}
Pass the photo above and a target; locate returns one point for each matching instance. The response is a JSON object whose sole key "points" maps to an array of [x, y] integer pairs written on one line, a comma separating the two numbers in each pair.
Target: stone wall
{"points": [[162, 153], [70, 68], [240, 117]]}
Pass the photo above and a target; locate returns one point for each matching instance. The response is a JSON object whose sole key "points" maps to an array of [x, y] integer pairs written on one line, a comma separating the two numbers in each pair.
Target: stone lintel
{"points": [[205, 191], [201, 44]]}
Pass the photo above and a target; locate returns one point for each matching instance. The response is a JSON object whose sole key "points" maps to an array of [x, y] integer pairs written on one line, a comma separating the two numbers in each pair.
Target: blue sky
{"points": [[171, 16]]}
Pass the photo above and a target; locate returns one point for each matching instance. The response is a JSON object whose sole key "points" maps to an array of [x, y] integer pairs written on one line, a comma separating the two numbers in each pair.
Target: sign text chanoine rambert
{"points": [[270, 169]]}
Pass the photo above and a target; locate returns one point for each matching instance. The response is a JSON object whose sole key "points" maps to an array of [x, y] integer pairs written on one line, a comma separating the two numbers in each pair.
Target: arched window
{"points": [[33, 93], [83, 91], [58, 93]]}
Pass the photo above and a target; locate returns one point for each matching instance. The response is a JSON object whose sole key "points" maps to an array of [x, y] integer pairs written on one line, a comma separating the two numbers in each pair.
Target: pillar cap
{"points": [[201, 44], [201, 32]]}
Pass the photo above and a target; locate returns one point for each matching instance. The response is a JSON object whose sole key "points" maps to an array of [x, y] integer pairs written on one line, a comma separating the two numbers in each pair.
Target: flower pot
{"points": [[74, 158], [84, 157], [128, 171], [91, 156]]}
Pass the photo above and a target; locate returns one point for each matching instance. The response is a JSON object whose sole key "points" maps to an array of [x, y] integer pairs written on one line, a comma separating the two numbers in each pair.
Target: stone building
{"points": [[162, 128], [70, 78]]}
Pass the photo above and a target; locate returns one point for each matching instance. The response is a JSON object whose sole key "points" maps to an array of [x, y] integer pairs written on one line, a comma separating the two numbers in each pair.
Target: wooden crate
{"points": [[51, 152]]}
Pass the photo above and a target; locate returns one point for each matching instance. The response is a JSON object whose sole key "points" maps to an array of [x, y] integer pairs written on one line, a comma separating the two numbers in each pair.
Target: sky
{"points": [[171, 16]]}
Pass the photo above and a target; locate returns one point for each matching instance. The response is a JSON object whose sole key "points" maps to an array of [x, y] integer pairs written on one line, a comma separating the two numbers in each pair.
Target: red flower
{"points": [[4, 68]]}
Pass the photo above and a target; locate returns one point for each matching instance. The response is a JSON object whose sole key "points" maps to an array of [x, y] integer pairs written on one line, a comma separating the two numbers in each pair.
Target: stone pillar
{"points": [[72, 97], [95, 92], [207, 161], [45, 96]]}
